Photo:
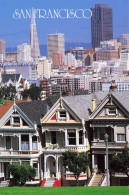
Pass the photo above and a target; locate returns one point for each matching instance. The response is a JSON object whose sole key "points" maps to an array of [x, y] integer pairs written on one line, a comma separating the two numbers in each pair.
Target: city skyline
{"points": [[16, 32]]}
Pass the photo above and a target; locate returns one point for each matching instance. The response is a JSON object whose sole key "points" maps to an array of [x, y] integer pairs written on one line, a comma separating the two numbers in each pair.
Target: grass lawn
{"points": [[66, 190]]}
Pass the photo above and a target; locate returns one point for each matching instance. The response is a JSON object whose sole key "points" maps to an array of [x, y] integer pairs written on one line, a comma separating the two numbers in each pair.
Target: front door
{"points": [[100, 159], [6, 170]]}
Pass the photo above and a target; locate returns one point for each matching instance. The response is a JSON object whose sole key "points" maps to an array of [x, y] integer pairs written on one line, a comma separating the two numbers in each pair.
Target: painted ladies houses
{"points": [[79, 123], [66, 127], [38, 132]]}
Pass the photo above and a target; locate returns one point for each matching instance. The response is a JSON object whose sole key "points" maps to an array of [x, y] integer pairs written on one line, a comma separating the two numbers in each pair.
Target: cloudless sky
{"points": [[17, 31]]}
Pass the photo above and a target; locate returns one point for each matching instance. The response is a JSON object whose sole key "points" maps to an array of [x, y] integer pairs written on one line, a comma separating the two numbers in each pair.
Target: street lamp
{"points": [[106, 142]]}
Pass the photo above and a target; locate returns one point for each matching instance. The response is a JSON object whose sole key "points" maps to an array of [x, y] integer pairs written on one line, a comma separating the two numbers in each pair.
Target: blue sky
{"points": [[17, 31]]}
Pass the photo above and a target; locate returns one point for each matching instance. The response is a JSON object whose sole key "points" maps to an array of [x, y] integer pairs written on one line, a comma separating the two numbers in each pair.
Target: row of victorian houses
{"points": [[38, 132]]}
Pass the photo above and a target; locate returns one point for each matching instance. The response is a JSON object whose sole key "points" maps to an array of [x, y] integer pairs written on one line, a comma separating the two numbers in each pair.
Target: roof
{"points": [[6, 106], [82, 104], [7, 77], [36, 109], [123, 98]]}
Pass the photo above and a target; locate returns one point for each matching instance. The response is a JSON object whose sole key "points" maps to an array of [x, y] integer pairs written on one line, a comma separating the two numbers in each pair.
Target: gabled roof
{"points": [[6, 106], [82, 104], [36, 109], [121, 99], [12, 77]]}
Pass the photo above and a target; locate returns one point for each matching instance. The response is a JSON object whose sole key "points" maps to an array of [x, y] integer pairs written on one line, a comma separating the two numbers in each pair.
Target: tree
{"points": [[8, 92], [76, 162], [34, 92], [22, 173], [120, 162]]}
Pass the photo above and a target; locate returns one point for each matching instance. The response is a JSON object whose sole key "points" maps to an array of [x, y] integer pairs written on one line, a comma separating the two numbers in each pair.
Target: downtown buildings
{"points": [[101, 24], [55, 42]]}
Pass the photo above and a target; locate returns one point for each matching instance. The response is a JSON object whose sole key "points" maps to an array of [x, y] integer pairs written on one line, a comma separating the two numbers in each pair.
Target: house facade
{"points": [[19, 140], [38, 132], [62, 130]]}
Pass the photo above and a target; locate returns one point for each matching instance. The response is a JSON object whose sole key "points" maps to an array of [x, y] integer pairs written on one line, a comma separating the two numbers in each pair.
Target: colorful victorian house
{"points": [[111, 116], [63, 128], [19, 139]]}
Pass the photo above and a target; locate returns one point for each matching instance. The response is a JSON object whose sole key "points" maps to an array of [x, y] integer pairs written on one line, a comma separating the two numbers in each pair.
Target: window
{"points": [[121, 133], [8, 142], [111, 111], [34, 143], [101, 133], [53, 137], [16, 121], [25, 142], [62, 114], [72, 137], [35, 165], [121, 137], [81, 137]]}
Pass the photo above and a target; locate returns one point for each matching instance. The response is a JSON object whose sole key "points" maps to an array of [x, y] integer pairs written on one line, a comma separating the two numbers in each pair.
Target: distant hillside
{"points": [[68, 45]]}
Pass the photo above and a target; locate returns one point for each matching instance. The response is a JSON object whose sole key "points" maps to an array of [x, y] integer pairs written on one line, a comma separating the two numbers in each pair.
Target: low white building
{"points": [[44, 67]]}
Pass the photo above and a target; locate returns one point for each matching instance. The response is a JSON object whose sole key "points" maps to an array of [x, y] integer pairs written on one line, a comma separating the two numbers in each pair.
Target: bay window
{"points": [[121, 133], [71, 137]]}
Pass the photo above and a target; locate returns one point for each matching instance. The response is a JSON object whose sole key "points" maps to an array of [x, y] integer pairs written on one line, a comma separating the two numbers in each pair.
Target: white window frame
{"points": [[62, 118], [121, 134], [72, 137], [111, 114]]}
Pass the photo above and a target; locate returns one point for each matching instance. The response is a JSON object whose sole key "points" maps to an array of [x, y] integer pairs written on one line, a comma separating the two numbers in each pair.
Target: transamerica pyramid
{"points": [[34, 43]]}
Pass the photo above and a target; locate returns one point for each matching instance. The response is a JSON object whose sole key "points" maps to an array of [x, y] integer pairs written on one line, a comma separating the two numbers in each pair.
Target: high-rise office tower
{"points": [[2, 47], [34, 43], [101, 24], [55, 42]]}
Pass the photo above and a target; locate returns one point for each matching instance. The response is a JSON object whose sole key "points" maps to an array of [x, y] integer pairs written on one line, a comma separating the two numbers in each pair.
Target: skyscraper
{"points": [[34, 43], [2, 47], [101, 24], [55, 42]]}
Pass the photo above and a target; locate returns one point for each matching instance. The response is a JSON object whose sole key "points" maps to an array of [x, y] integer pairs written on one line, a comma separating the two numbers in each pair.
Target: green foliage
{"points": [[8, 92], [33, 92], [120, 162], [22, 173], [76, 162]]}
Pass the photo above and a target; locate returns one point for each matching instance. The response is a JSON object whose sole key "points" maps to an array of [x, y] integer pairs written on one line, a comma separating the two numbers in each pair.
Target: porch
{"points": [[52, 166]]}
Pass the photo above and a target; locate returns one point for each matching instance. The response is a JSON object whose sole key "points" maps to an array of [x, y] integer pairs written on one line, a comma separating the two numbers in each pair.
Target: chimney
{"points": [[93, 105]]}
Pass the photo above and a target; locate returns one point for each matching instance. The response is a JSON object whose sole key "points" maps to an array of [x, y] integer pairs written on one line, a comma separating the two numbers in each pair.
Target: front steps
{"points": [[97, 179], [49, 182], [4, 183]]}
